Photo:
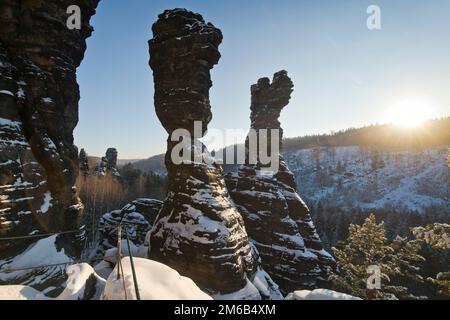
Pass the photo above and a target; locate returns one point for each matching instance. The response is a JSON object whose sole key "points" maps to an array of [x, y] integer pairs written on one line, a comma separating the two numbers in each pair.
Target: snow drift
{"points": [[319, 294], [156, 281]]}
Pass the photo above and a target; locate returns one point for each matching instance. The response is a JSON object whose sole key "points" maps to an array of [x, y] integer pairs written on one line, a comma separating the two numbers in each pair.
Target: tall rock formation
{"points": [[84, 162], [39, 97], [198, 231], [138, 217], [108, 164], [277, 220]]}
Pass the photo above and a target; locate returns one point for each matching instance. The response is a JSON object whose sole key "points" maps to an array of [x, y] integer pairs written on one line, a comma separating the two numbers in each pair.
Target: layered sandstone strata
{"points": [[39, 97], [198, 231], [277, 220]]}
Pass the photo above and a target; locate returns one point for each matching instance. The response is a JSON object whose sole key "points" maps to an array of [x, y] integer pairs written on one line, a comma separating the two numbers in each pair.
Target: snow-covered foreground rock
{"points": [[319, 294], [20, 292], [260, 286], [41, 253], [156, 281], [82, 284]]}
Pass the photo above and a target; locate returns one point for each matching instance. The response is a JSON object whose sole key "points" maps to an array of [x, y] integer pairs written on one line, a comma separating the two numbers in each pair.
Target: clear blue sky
{"points": [[344, 74]]}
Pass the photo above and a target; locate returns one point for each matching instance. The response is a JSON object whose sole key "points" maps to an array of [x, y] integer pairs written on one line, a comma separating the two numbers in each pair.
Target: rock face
{"points": [[198, 231], [277, 220], [138, 216], [108, 164], [38, 112]]}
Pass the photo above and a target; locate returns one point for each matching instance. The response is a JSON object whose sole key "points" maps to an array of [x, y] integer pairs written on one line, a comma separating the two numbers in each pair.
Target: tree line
{"points": [[389, 136]]}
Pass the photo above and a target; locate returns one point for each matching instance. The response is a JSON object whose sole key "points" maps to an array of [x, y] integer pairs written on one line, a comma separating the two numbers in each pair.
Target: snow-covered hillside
{"points": [[350, 177], [366, 178]]}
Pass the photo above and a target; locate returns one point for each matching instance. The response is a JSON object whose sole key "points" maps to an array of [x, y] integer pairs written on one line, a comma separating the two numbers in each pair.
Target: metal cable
{"points": [[43, 235]]}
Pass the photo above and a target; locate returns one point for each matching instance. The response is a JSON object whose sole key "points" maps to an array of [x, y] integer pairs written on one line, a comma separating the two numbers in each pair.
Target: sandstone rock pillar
{"points": [[277, 220], [198, 231], [39, 97]]}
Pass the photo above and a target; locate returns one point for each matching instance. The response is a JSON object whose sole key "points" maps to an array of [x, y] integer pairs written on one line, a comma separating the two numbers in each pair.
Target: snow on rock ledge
{"points": [[83, 284], [319, 294], [20, 293], [40, 253], [156, 281]]}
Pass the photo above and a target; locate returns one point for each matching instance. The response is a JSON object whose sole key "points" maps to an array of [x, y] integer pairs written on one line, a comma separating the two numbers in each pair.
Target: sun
{"points": [[410, 112]]}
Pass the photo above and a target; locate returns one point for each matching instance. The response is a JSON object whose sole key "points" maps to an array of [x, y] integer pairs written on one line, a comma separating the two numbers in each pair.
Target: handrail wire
{"points": [[133, 271]]}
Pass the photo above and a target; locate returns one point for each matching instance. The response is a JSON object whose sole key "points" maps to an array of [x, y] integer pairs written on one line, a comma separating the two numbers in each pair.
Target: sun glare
{"points": [[410, 113]]}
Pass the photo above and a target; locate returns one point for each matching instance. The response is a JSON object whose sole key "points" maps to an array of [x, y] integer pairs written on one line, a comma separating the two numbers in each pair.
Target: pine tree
{"points": [[437, 235], [437, 240], [404, 264], [442, 283], [366, 246]]}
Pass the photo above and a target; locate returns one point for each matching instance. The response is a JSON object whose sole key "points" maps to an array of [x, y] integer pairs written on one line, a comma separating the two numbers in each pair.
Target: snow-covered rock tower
{"points": [[198, 231], [277, 220]]}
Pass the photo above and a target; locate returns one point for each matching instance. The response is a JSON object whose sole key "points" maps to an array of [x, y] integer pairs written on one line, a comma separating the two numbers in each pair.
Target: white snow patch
{"points": [[23, 213], [319, 294], [50, 144], [7, 92], [20, 93], [42, 252], [39, 254], [111, 254], [20, 293], [249, 292], [15, 200], [76, 284], [156, 281], [10, 123], [14, 142], [6, 163], [47, 100], [266, 286], [47, 202]]}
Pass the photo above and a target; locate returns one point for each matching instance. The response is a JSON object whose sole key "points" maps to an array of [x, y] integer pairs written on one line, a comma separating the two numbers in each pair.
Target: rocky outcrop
{"points": [[198, 231], [84, 162], [108, 164], [38, 113], [149, 208], [138, 217], [81, 283], [277, 220]]}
